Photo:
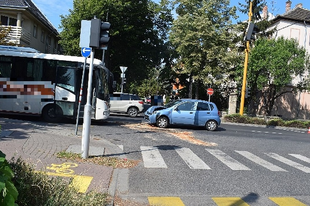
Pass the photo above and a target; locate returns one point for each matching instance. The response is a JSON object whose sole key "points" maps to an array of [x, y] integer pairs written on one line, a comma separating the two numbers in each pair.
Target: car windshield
{"points": [[171, 104]]}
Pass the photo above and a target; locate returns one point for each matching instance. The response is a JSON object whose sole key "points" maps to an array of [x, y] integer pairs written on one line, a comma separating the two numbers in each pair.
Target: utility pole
{"points": [[247, 50], [123, 69]]}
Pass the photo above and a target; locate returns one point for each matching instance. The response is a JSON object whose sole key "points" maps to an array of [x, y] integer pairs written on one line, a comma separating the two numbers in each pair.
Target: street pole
{"points": [[87, 111], [123, 69], [80, 98], [247, 50]]}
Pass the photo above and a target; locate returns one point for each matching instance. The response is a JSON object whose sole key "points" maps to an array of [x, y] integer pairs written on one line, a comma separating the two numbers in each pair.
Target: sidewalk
{"points": [[39, 143]]}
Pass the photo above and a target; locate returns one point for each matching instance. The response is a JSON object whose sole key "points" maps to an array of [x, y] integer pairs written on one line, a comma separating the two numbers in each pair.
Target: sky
{"points": [[52, 9]]}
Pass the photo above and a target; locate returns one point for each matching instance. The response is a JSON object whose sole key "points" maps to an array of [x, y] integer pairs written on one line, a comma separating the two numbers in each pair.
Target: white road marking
{"points": [[152, 157], [227, 160], [261, 162], [289, 162], [191, 159], [301, 157]]}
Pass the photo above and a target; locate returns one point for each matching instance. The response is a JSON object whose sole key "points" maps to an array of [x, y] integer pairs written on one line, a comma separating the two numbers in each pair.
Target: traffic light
{"points": [[104, 34], [247, 92], [251, 31], [99, 33]]}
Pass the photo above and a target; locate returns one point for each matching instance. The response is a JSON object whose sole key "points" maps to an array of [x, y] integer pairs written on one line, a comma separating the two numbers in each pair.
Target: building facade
{"points": [[294, 23], [28, 26]]}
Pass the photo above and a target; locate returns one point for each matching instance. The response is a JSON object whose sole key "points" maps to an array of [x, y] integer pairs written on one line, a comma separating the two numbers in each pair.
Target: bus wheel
{"points": [[52, 113]]}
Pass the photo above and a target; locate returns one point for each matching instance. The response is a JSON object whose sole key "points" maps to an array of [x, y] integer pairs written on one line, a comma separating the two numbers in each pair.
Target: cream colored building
{"points": [[294, 23], [29, 27]]}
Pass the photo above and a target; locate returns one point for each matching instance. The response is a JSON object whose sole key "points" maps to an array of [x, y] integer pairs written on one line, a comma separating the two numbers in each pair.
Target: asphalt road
{"points": [[254, 163], [257, 164]]}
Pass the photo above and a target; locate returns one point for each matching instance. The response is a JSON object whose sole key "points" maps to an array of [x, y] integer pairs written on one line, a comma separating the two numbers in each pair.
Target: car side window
{"points": [[134, 97], [125, 97], [115, 97], [203, 106], [187, 106]]}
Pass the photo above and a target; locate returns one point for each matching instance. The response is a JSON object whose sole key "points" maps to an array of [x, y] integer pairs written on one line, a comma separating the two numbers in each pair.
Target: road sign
{"points": [[85, 51], [210, 91], [123, 69]]}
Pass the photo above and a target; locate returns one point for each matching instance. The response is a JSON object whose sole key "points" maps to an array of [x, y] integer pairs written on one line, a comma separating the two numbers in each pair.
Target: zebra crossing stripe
{"points": [[165, 201], [152, 157], [191, 159], [227, 160], [229, 201], [261, 162], [301, 157], [289, 162], [286, 201]]}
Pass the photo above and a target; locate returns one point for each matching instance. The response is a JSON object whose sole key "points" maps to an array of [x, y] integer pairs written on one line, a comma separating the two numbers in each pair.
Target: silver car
{"points": [[130, 104]]}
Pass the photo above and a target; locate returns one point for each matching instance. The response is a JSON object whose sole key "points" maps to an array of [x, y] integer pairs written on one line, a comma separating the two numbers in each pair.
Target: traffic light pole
{"points": [[87, 111], [247, 50]]}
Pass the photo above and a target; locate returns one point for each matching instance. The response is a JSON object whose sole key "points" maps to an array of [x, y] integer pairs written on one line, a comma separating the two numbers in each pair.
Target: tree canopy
{"points": [[273, 64], [201, 35], [137, 34]]}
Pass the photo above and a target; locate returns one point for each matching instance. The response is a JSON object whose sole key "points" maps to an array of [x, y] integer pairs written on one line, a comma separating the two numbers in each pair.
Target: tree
{"points": [[201, 35], [137, 34], [272, 65], [257, 7], [4, 32]]}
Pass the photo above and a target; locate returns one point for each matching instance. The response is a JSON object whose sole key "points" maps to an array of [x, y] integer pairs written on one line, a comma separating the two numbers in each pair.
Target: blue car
{"points": [[185, 112]]}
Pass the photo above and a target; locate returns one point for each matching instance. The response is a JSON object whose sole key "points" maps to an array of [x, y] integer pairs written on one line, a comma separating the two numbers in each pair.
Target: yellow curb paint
{"points": [[58, 174], [81, 183], [286, 201], [165, 201], [229, 201]]}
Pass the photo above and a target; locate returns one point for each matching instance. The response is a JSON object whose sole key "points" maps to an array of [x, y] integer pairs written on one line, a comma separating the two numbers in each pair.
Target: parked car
{"points": [[185, 112], [126, 103]]}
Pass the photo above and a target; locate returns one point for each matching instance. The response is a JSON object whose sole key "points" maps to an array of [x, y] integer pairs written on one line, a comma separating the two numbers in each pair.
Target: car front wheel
{"points": [[133, 112], [211, 125], [162, 122]]}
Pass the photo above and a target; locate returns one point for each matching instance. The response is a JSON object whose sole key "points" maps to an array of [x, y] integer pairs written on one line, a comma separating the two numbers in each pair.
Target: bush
{"points": [[237, 118], [276, 122], [8, 191], [47, 191]]}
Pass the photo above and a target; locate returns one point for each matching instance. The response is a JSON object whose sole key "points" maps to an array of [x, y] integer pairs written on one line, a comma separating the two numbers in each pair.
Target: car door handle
{"points": [[191, 112], [65, 98]]}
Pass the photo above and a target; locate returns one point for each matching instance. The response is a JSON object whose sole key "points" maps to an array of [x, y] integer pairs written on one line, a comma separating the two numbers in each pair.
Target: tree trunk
{"points": [[190, 87]]}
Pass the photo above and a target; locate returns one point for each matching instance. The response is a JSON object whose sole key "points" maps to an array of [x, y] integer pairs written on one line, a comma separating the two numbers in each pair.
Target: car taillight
{"points": [[219, 113], [141, 102]]}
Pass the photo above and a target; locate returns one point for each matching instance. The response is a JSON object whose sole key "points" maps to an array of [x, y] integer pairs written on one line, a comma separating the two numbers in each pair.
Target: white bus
{"points": [[33, 83]]}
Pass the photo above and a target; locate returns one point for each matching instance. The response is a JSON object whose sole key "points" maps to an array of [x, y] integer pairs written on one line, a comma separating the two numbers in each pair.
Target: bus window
{"points": [[49, 71], [5, 67], [66, 78], [19, 70], [37, 70]]}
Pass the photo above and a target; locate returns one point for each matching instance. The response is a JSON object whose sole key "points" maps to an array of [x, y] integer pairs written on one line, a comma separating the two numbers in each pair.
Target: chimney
{"points": [[288, 6], [265, 12], [299, 5]]}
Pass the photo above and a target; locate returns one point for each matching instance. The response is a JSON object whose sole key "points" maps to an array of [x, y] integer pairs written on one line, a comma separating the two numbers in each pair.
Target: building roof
{"points": [[32, 8], [297, 14]]}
